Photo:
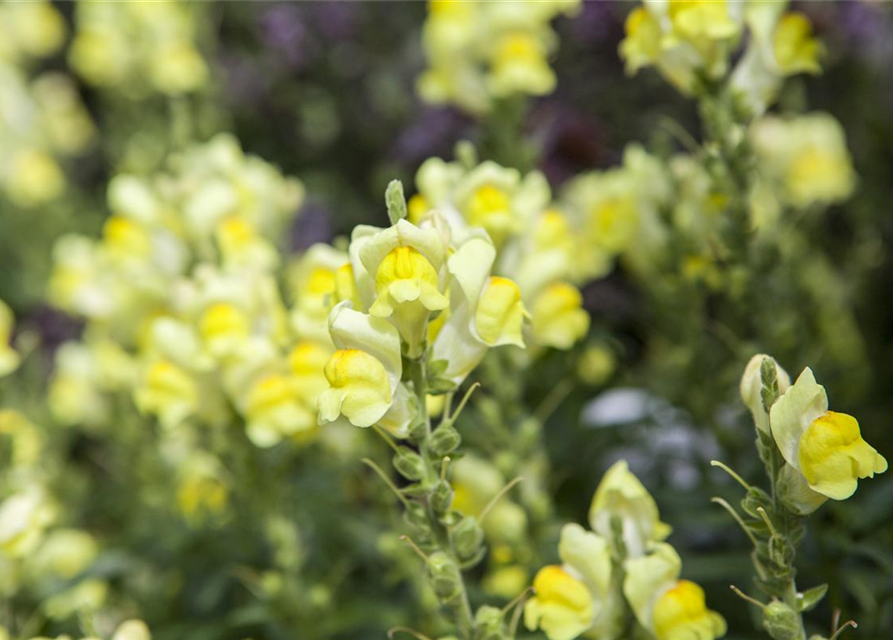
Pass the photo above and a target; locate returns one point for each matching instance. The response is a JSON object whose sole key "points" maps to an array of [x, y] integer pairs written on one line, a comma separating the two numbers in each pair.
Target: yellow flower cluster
{"points": [[411, 290], [139, 47], [35, 549], [479, 52], [537, 244], [824, 452], [688, 41], [42, 120], [804, 160], [584, 596], [182, 300]]}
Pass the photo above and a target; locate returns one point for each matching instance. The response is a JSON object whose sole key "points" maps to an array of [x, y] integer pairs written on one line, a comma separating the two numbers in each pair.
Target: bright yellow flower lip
{"points": [[359, 388], [405, 275], [562, 606], [681, 613], [833, 456]]}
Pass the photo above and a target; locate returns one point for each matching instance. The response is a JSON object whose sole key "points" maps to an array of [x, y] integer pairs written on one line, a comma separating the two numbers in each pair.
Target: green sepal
{"points": [[810, 598]]}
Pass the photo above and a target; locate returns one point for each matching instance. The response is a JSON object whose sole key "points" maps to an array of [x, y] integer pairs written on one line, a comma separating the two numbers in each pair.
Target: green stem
{"points": [[433, 464]]}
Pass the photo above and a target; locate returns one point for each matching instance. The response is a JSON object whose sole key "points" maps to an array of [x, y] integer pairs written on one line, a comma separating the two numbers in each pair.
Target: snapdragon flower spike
{"points": [[670, 608], [364, 373], [825, 447]]}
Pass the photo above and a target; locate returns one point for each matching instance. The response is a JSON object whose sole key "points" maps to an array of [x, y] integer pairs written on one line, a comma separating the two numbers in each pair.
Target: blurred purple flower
{"points": [[431, 133], [597, 21], [285, 32], [571, 141], [54, 326], [334, 20], [244, 83], [313, 224]]}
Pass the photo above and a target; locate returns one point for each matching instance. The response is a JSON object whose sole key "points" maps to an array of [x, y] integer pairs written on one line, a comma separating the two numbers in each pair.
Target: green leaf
{"points": [[807, 600]]}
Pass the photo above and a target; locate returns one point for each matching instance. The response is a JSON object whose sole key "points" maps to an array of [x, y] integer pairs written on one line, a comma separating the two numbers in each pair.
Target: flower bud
{"points": [[781, 622], [444, 575], [445, 440], [488, 623], [442, 497], [409, 464], [468, 536], [416, 516], [752, 386]]}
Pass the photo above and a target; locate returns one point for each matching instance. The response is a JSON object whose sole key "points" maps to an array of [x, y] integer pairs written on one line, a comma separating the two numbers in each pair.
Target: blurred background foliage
{"points": [[325, 91]]}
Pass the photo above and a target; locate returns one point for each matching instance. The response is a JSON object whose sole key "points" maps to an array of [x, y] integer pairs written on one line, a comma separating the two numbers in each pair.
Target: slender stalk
{"points": [[434, 465]]}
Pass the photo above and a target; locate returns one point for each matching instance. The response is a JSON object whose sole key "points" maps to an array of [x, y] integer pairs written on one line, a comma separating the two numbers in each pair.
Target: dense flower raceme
{"points": [[137, 48], [622, 564], [689, 41], [182, 301], [480, 52], [413, 290], [824, 453], [42, 122], [536, 242]]}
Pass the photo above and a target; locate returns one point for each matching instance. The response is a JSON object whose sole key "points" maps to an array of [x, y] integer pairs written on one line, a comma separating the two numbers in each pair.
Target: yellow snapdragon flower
{"points": [[682, 39], [364, 373], [403, 264], [796, 51], [558, 318], [681, 613], [577, 598], [780, 45], [480, 51], [24, 518], [273, 410], [562, 606], [806, 158], [136, 50], [621, 493], [32, 29], [671, 609], [201, 491], [825, 447], [167, 392]]}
